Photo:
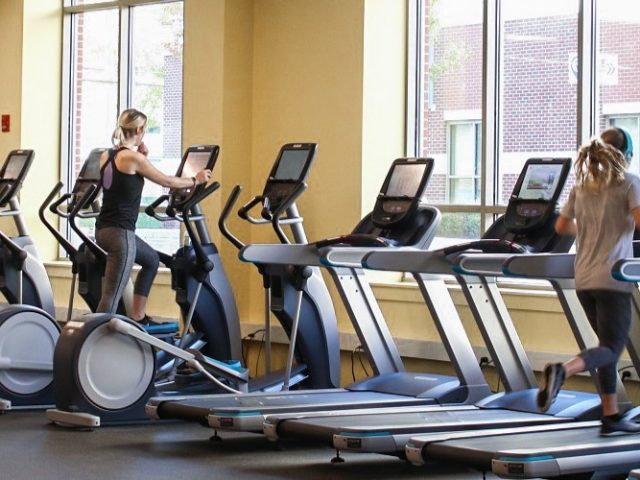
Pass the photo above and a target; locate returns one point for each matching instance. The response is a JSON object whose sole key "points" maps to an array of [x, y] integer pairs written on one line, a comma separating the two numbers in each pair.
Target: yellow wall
{"points": [[384, 94], [40, 129], [11, 60], [30, 35]]}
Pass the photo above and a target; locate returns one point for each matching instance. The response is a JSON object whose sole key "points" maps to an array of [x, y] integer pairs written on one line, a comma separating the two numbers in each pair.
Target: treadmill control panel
{"points": [[402, 190], [536, 193]]}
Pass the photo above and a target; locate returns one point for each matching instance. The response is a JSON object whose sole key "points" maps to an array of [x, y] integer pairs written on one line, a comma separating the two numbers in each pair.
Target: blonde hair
{"points": [[128, 123], [601, 162]]}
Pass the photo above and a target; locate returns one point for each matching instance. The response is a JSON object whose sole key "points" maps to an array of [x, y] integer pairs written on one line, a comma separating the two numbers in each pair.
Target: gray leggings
{"points": [[609, 313], [124, 248]]}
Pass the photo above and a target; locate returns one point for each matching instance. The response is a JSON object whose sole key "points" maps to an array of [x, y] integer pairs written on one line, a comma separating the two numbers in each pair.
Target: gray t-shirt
{"points": [[605, 231]]}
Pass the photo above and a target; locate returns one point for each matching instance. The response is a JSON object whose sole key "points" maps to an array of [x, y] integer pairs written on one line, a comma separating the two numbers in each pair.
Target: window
{"points": [[119, 55], [496, 82]]}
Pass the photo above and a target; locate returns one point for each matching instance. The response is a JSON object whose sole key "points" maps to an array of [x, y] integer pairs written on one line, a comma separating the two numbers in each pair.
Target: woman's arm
{"points": [[565, 226], [145, 168]]}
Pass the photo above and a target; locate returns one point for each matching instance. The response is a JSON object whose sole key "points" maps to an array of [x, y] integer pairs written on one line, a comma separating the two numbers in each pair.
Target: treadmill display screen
{"points": [[291, 164], [540, 181], [195, 162], [14, 166], [405, 180]]}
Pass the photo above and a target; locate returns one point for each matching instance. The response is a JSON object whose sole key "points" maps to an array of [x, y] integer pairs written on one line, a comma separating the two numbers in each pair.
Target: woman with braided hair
{"points": [[602, 211]]}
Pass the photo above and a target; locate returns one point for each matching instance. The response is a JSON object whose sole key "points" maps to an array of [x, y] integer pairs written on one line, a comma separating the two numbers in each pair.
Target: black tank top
{"points": [[121, 196]]}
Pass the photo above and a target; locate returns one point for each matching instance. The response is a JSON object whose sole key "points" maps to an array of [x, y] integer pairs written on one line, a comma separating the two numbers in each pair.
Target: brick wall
{"points": [[538, 98], [172, 119]]}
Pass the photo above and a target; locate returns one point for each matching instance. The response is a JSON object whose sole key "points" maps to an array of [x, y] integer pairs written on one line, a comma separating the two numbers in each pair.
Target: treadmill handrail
{"points": [[541, 265], [626, 270], [409, 259], [281, 254]]}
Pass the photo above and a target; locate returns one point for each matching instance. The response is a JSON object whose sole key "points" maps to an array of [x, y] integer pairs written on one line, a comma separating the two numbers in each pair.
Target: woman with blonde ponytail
{"points": [[123, 171], [602, 211]]}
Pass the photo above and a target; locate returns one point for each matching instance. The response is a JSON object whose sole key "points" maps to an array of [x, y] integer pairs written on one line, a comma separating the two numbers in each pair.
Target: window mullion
{"points": [[587, 116], [124, 59], [490, 104]]}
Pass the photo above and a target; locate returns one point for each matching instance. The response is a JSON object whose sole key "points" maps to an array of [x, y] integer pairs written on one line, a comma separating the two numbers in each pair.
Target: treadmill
{"points": [[570, 450], [526, 227], [398, 219]]}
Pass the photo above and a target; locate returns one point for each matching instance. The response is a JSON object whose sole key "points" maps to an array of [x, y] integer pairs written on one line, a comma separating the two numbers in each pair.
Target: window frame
{"points": [[125, 75]]}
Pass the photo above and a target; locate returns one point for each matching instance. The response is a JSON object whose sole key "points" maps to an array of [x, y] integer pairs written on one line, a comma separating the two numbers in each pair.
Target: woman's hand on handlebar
{"points": [[203, 176]]}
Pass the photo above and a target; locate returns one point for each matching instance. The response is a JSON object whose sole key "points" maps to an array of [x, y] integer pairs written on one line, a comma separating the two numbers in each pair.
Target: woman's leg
{"points": [[609, 313], [613, 320], [149, 260], [120, 247]]}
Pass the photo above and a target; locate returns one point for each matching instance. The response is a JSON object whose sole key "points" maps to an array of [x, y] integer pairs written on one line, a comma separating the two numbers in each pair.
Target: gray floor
{"points": [[32, 449]]}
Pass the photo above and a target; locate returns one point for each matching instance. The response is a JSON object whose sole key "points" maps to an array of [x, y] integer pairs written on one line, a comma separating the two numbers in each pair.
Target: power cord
{"points": [[355, 351], [250, 336]]}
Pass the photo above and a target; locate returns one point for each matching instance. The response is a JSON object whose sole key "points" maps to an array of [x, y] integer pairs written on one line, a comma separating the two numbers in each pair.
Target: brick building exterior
{"points": [[538, 89]]}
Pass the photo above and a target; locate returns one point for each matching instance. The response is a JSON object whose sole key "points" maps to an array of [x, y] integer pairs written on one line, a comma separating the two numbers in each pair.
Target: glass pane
{"points": [[451, 86], [94, 86], [463, 155], [464, 191], [156, 87], [619, 25], [457, 228], [538, 85]]}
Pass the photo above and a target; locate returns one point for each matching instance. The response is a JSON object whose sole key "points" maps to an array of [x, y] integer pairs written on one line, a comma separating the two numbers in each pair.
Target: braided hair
{"points": [[601, 162]]}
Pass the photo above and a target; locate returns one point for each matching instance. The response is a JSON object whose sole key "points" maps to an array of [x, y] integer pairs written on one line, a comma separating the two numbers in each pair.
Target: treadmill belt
{"points": [[579, 442], [198, 408], [323, 428]]}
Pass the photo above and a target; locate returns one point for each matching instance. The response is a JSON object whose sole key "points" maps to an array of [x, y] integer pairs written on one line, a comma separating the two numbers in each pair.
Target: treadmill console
{"points": [[398, 217], [12, 173], [288, 174], [195, 158], [535, 194], [402, 191]]}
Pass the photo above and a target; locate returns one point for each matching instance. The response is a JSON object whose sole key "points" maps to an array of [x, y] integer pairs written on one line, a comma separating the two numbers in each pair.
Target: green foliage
{"points": [[459, 225]]}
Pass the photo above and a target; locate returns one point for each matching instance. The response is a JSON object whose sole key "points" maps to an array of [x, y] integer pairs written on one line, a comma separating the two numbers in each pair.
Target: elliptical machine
{"points": [[292, 292], [87, 264]]}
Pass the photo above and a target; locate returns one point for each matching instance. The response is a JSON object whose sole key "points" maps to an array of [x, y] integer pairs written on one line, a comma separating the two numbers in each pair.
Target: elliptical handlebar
{"points": [[80, 204], [151, 209], [53, 207], [226, 210], [204, 261]]}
